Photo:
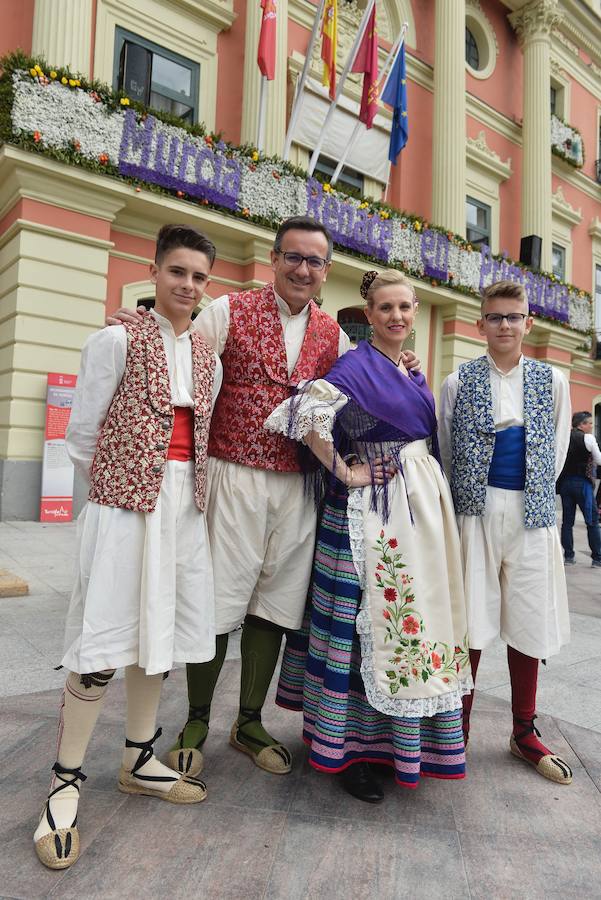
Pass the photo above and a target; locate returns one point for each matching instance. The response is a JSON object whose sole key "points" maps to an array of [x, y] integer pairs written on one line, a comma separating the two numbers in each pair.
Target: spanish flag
{"points": [[329, 31], [366, 61]]}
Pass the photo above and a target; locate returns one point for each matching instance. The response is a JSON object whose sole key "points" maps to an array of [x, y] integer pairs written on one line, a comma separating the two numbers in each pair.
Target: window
{"points": [[553, 101], [559, 261], [354, 323], [478, 222], [156, 76], [472, 54], [349, 177]]}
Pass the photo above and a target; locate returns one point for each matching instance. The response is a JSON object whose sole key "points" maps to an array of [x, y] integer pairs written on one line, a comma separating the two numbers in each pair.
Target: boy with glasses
{"points": [[504, 432]]}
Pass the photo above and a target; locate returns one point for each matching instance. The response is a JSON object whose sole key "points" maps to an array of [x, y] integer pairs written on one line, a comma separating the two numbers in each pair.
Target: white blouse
{"points": [[102, 367]]}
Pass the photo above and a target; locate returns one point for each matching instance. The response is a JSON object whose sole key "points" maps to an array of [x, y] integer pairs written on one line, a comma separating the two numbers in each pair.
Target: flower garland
{"points": [[566, 142], [86, 124]]}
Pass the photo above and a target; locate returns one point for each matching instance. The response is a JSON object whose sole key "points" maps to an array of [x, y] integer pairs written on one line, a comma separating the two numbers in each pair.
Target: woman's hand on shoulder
{"points": [[411, 362], [133, 316]]}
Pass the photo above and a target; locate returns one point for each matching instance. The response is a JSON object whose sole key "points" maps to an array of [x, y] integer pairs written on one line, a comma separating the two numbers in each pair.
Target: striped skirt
{"points": [[321, 675]]}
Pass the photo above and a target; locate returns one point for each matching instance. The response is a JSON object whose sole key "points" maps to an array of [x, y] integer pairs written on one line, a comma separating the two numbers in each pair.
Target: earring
{"points": [[412, 333]]}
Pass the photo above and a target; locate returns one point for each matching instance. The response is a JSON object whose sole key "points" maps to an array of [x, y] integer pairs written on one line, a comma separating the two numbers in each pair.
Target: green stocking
{"points": [[260, 648], [202, 678]]}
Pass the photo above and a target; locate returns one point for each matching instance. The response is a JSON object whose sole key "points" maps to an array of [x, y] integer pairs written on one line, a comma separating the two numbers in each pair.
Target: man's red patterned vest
{"points": [[255, 379], [131, 453]]}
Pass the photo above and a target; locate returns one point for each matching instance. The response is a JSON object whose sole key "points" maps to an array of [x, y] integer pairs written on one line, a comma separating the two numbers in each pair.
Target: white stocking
{"points": [[143, 696], [82, 702]]}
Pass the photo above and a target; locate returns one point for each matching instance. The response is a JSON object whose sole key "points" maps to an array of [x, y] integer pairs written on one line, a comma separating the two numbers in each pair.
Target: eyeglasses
{"points": [[296, 259], [513, 319]]}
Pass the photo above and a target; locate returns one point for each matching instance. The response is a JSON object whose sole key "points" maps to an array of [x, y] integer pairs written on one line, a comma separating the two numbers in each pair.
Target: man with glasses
{"points": [[504, 432], [576, 488]]}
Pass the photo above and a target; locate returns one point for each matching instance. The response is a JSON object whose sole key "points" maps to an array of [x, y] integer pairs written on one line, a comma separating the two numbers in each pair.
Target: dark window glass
{"points": [[348, 176], [156, 76], [477, 222], [472, 54], [559, 261], [553, 101]]}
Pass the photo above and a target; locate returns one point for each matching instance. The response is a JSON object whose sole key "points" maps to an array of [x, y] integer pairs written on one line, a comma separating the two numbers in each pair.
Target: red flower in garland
{"points": [[37, 137]]}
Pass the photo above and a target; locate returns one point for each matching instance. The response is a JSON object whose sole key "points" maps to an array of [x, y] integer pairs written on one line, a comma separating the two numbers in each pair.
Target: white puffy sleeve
{"points": [[313, 408], [102, 366], [446, 409], [562, 414]]}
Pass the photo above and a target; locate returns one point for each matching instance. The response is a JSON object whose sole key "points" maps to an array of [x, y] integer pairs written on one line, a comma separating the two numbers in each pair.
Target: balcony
{"points": [[566, 142]]}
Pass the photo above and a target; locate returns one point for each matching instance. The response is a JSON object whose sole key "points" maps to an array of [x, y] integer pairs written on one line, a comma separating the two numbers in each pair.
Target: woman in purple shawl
{"points": [[382, 666]]}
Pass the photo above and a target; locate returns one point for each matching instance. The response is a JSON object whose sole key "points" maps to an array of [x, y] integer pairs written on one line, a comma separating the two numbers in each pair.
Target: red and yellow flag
{"points": [[329, 34], [366, 61]]}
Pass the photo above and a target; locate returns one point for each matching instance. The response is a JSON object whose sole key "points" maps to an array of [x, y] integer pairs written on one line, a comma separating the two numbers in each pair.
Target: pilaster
{"points": [[534, 24], [448, 157], [275, 116], [62, 33]]}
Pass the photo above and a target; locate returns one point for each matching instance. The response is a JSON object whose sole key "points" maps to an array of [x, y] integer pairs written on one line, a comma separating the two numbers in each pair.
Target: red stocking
{"points": [[523, 671], [468, 699]]}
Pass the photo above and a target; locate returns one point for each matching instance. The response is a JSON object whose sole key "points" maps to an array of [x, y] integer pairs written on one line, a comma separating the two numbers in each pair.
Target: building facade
{"points": [[504, 111]]}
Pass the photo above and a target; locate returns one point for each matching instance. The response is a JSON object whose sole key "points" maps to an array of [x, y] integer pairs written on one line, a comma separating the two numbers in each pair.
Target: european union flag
{"points": [[395, 95]]}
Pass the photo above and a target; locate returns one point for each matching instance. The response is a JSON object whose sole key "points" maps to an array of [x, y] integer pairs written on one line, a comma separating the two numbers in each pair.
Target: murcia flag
{"points": [[329, 29], [366, 61], [266, 54]]}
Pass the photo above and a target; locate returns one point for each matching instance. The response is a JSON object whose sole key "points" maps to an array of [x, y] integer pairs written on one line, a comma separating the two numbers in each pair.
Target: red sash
{"points": [[181, 446]]}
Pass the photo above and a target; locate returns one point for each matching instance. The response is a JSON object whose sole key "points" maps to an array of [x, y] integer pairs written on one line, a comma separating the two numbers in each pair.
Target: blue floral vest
{"points": [[473, 441]]}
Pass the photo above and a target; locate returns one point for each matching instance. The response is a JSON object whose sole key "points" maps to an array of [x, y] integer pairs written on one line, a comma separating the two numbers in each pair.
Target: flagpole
{"points": [[262, 111], [298, 95], [384, 78], [347, 68]]}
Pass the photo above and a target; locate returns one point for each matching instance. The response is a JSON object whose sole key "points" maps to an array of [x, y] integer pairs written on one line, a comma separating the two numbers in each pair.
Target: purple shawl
{"points": [[385, 407]]}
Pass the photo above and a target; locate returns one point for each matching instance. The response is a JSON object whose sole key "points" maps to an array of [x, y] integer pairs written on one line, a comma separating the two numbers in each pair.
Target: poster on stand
{"points": [[56, 504]]}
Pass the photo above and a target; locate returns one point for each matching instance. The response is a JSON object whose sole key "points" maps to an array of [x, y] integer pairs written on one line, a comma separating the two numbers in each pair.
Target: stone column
{"points": [[533, 24], [275, 118], [62, 33], [448, 152]]}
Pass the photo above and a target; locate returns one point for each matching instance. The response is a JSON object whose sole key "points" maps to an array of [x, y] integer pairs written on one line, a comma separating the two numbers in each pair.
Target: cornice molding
{"points": [[594, 229], [480, 154], [576, 178], [563, 209]]}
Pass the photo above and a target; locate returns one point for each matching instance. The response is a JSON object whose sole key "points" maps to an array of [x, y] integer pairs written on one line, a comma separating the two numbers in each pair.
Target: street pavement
{"points": [[504, 832]]}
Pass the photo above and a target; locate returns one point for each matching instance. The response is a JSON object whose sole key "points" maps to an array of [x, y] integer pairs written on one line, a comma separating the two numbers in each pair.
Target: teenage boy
{"points": [[576, 488], [504, 431], [143, 596]]}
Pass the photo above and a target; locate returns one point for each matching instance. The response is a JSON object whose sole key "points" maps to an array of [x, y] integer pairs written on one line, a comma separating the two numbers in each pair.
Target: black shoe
{"points": [[359, 782]]}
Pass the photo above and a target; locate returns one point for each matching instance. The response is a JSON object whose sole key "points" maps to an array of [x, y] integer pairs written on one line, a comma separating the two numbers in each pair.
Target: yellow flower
{"points": [[417, 226], [53, 74], [64, 80], [38, 70], [77, 82], [33, 73], [124, 101], [327, 187], [384, 214], [72, 82], [255, 155], [363, 206]]}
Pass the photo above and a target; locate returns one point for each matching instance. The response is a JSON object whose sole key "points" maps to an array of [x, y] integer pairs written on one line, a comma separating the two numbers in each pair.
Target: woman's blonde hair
{"points": [[382, 279]]}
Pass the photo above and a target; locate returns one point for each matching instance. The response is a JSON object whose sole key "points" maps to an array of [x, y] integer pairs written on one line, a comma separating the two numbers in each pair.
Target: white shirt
{"points": [[213, 322], [102, 367], [592, 446], [507, 389]]}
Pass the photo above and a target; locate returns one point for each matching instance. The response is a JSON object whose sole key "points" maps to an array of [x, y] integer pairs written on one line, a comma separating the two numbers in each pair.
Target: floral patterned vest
{"points": [[255, 379], [131, 453], [473, 441]]}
